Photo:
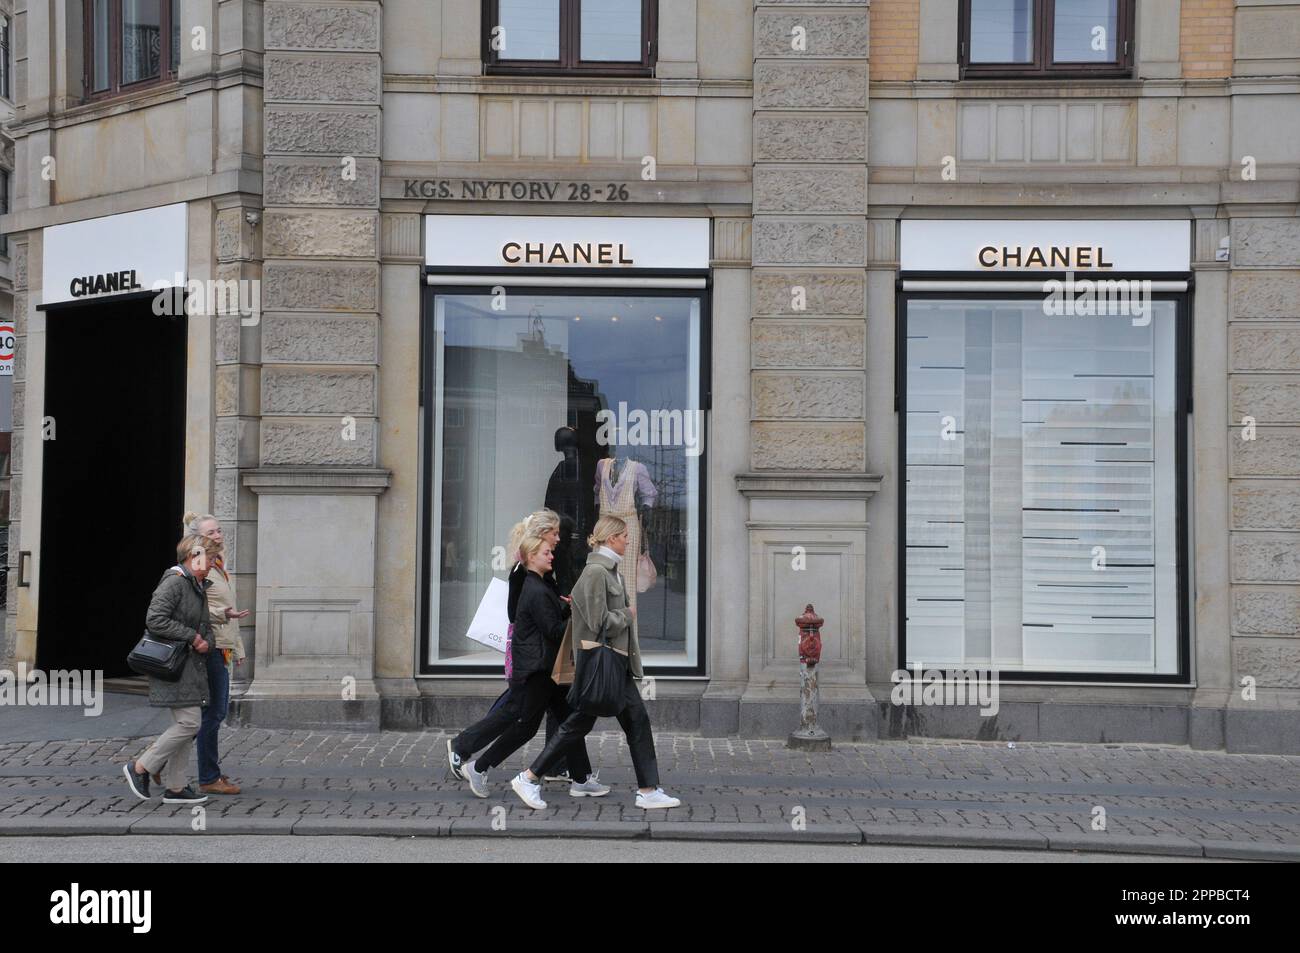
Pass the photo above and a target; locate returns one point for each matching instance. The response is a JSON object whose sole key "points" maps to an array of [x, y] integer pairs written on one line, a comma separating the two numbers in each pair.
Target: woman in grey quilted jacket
{"points": [[178, 612]]}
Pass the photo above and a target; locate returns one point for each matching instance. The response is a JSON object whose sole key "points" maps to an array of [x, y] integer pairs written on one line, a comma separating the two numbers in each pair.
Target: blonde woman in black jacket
{"points": [[540, 619]]}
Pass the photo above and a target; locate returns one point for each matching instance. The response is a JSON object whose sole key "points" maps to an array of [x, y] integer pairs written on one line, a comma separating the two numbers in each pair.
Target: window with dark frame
{"points": [[5, 70], [129, 44], [1046, 38], [5, 178], [564, 37]]}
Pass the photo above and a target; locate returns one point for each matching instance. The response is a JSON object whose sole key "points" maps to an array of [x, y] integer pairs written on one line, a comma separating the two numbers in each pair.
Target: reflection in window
{"points": [[141, 40], [1001, 31], [100, 32], [176, 35], [611, 31], [1034, 444], [1085, 31], [530, 30], [587, 405]]}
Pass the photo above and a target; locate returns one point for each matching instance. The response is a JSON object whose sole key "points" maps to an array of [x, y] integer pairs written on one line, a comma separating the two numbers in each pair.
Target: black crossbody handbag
{"points": [[158, 658], [600, 681]]}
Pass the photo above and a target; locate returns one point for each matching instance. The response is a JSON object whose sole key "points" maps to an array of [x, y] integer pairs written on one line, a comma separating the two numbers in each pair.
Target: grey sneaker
{"points": [[589, 788], [139, 782], [454, 763], [477, 779], [186, 795], [529, 793]]}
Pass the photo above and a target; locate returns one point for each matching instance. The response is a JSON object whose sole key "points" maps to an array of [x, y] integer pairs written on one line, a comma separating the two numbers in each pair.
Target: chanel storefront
{"points": [[564, 365]]}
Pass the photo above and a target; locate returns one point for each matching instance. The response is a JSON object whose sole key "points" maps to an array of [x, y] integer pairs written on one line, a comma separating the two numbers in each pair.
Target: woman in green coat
{"points": [[178, 612]]}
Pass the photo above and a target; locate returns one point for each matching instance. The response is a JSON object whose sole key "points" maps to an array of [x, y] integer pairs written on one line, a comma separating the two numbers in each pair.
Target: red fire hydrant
{"points": [[809, 736]]}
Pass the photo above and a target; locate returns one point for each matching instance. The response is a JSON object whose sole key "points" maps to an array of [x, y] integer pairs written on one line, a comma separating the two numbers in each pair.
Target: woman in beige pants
{"points": [[178, 612]]}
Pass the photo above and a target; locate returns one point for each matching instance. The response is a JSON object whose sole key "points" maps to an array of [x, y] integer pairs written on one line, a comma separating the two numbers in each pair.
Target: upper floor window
{"points": [[1026, 38], [606, 37], [5, 70], [130, 43]]}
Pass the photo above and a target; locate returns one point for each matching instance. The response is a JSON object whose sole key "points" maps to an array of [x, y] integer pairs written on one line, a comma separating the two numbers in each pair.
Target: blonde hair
{"points": [[533, 526], [191, 522], [530, 547], [605, 527], [190, 542]]}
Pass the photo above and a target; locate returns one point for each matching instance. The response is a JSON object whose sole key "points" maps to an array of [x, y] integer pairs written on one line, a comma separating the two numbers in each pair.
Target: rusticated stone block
{"points": [[1265, 557], [20, 411], [808, 446], [316, 441], [808, 396], [321, 78], [810, 242], [327, 234], [321, 26], [227, 337], [16, 457], [825, 34], [808, 344], [340, 131], [840, 189], [1267, 610], [1266, 348], [1266, 294], [20, 266], [320, 181], [1267, 399], [1275, 451], [1266, 504], [810, 86], [809, 138], [230, 228], [1265, 241], [226, 400], [1273, 663], [774, 292], [225, 494], [20, 312], [320, 338], [226, 442], [325, 286], [300, 391]]}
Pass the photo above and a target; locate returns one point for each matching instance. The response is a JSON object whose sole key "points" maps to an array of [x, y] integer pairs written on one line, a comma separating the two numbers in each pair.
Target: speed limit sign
{"points": [[6, 350]]}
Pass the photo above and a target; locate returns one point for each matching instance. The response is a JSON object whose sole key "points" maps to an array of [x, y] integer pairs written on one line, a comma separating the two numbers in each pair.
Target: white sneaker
{"points": [[589, 788], [477, 779], [529, 793], [454, 763], [656, 798]]}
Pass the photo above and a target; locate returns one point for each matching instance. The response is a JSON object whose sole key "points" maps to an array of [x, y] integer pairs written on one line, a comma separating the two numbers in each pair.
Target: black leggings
{"points": [[527, 703]]}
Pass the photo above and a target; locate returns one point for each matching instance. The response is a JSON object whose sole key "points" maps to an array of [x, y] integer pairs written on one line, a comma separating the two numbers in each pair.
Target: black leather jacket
{"points": [[540, 619]]}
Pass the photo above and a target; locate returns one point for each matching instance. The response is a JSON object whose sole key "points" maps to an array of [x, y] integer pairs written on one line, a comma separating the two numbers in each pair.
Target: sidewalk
{"points": [[1157, 800]]}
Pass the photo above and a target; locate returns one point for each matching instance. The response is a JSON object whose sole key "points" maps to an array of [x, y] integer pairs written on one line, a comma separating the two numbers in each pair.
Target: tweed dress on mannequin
{"points": [[620, 499]]}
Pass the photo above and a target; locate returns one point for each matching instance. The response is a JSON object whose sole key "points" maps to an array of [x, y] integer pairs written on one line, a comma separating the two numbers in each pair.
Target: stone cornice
{"points": [[318, 481], [786, 484]]}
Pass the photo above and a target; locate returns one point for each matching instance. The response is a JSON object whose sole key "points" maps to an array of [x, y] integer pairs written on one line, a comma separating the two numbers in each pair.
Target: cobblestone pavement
{"points": [[1155, 799]]}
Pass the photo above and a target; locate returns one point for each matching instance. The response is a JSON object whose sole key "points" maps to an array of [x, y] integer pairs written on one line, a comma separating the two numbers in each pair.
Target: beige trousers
{"points": [[170, 753]]}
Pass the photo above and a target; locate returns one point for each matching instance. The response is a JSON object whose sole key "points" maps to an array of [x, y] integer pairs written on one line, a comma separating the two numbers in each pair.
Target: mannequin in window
{"points": [[624, 489], [566, 496]]}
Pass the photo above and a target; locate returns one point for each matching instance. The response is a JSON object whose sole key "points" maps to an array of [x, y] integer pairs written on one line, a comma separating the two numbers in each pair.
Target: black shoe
{"points": [[185, 795], [139, 782]]}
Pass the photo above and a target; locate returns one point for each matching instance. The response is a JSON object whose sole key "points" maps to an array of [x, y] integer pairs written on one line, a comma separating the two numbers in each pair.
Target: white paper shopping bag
{"points": [[490, 619]]}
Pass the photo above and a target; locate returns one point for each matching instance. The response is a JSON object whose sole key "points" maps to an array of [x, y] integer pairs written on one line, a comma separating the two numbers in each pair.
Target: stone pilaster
{"points": [[808, 484], [9, 644], [317, 392]]}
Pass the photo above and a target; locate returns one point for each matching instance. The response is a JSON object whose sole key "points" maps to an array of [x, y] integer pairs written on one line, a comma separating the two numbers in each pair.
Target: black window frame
{"points": [[570, 62], [6, 183], [1183, 301], [1043, 66], [6, 65], [114, 52], [431, 469]]}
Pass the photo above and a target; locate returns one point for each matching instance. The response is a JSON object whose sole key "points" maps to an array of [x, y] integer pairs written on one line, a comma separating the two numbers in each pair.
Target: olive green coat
{"points": [[599, 598], [178, 610]]}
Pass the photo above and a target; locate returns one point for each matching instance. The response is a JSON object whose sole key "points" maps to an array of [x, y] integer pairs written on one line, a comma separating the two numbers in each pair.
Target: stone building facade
{"points": [[315, 149]]}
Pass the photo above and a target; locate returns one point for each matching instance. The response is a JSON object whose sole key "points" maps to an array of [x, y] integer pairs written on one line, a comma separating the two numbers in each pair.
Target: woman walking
{"points": [[600, 602], [178, 612], [220, 663], [540, 620]]}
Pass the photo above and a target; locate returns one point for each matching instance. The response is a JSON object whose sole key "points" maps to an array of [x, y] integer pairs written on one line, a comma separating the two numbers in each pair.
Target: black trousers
{"points": [[522, 713], [488, 728], [635, 722]]}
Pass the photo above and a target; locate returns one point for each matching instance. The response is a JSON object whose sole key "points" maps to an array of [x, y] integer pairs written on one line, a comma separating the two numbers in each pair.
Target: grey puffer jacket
{"points": [[178, 610]]}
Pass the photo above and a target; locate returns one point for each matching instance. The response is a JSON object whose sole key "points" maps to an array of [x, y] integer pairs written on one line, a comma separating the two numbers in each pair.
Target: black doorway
{"points": [[114, 478]]}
